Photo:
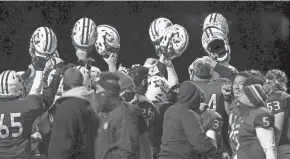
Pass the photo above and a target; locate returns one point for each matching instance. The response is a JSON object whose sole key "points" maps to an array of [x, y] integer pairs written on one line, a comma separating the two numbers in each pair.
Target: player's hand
{"points": [[227, 89], [36, 136], [112, 59], [166, 62], [203, 107], [82, 55], [209, 60], [39, 62], [226, 155], [123, 69]]}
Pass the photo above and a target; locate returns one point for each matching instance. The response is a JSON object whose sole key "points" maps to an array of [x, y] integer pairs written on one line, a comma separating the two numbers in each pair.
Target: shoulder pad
{"points": [[262, 117]]}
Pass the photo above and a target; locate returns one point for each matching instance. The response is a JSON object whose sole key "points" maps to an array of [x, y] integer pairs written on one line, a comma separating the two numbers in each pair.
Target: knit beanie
{"points": [[73, 77], [255, 92], [125, 81]]}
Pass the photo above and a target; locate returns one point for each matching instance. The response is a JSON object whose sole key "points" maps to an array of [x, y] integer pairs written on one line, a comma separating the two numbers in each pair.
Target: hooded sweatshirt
{"points": [[183, 136], [75, 125]]}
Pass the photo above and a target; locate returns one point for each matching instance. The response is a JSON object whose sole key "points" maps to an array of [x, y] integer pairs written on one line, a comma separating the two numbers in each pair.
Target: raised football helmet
{"points": [[174, 42], [157, 89], [10, 84], [108, 40], [157, 29], [216, 20], [84, 33], [86, 76], [43, 42], [216, 45]]}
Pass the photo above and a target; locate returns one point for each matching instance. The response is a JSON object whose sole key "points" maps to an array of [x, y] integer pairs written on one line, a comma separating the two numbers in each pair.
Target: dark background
{"points": [[254, 43]]}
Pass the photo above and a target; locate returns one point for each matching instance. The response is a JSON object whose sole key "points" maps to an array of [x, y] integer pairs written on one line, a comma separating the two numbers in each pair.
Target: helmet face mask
{"points": [[108, 40], [216, 45], [173, 43]]}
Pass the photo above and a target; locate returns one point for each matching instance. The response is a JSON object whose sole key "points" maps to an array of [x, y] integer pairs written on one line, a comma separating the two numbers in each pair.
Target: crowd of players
{"points": [[75, 111]]}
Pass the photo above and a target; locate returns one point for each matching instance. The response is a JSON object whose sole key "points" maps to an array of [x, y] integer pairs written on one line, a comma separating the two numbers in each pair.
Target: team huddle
{"points": [[76, 111]]}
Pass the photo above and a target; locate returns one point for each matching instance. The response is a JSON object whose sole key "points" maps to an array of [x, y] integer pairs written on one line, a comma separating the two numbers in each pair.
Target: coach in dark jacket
{"points": [[183, 136], [75, 121], [118, 136]]}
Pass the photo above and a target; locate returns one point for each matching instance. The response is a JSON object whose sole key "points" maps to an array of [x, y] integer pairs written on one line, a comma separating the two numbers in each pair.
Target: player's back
{"points": [[17, 117], [213, 94], [278, 102]]}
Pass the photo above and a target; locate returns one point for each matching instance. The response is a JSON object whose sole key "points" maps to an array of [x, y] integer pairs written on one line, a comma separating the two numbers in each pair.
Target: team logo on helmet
{"points": [[174, 42], [44, 41], [108, 40], [157, 29], [216, 45], [216, 20], [84, 33]]}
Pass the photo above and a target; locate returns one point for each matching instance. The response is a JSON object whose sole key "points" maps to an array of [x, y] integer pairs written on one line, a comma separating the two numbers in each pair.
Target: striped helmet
{"points": [[84, 33], [108, 40], [216, 20], [157, 29], [216, 45], [174, 43], [44, 41], [86, 76], [10, 84]]}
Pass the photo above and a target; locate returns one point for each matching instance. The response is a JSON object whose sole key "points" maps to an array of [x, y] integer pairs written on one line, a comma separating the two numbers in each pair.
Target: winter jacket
{"points": [[75, 126], [183, 136], [118, 136]]}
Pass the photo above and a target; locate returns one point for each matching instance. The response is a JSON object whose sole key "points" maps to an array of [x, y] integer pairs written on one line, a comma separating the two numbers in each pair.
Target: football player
{"points": [[84, 36], [157, 93], [253, 128], [18, 114], [200, 73], [233, 113], [278, 103]]}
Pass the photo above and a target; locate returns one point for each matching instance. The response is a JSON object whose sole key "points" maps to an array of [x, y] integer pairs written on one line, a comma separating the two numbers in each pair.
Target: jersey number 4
{"points": [[212, 102], [4, 131]]}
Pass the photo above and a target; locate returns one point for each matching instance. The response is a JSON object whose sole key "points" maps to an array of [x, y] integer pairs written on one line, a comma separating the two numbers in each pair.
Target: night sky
{"points": [[254, 44]]}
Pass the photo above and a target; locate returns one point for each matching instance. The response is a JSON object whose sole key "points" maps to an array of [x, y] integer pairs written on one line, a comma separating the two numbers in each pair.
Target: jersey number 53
{"points": [[4, 130]]}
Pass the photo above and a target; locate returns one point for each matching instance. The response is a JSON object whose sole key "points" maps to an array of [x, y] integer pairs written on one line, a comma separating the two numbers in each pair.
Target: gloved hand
{"points": [[39, 62]]}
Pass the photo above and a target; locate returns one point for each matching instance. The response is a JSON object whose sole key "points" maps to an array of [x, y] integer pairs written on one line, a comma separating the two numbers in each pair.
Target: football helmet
{"points": [[157, 89], [10, 84], [174, 42], [43, 42], [86, 76], [216, 45], [108, 40], [157, 29], [84, 33], [95, 73], [216, 20]]}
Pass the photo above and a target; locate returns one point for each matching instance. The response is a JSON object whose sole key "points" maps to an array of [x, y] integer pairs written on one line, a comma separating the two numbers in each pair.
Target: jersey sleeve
{"points": [[263, 118], [279, 103], [211, 121]]}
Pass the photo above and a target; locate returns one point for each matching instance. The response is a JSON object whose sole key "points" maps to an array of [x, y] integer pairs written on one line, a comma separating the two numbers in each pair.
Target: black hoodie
{"points": [[183, 136]]}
